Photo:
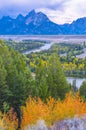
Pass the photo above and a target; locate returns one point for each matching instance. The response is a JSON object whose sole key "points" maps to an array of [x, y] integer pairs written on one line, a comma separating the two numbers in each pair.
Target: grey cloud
{"points": [[58, 8], [13, 7], [58, 5]]}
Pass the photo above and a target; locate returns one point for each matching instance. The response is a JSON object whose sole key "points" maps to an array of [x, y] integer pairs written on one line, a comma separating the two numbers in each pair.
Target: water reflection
{"points": [[79, 81]]}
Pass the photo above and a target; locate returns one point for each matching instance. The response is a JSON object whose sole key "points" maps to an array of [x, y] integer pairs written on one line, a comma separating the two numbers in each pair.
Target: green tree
{"points": [[83, 90], [3, 86], [15, 79], [41, 80], [85, 66], [56, 79], [50, 79]]}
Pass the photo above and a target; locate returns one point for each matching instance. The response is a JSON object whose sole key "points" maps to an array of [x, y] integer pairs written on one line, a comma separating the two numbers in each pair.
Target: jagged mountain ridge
{"points": [[39, 24]]}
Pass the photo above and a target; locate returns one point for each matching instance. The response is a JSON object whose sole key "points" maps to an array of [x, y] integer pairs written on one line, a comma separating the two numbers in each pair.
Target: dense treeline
{"points": [[72, 65], [51, 79], [15, 79], [51, 112], [47, 87], [16, 83], [68, 52], [24, 45]]}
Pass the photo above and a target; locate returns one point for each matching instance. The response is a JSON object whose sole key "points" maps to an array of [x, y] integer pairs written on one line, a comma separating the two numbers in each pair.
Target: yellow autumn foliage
{"points": [[8, 121], [52, 110]]}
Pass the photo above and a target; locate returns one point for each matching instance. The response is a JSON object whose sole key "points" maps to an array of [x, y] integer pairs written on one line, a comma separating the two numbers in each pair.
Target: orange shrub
{"points": [[52, 110], [1, 121], [34, 110], [8, 121]]}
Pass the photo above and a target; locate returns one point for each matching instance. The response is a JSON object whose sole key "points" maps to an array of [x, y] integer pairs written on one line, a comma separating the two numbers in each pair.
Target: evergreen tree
{"points": [[83, 90], [41, 80], [15, 79], [85, 66], [4, 91], [50, 79], [56, 80]]}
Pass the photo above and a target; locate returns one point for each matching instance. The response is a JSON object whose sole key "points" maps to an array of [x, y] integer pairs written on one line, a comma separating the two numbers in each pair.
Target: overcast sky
{"points": [[59, 11]]}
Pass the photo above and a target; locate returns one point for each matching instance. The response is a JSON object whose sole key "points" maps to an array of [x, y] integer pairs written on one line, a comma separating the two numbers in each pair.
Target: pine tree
{"points": [[15, 79], [41, 80], [56, 80], [50, 79], [83, 90]]}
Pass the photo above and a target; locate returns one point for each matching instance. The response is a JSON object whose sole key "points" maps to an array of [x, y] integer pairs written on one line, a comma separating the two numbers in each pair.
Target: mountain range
{"points": [[39, 24]]}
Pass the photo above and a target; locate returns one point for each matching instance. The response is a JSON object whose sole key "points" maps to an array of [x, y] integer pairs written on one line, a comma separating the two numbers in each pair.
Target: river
{"points": [[79, 39], [82, 55], [53, 39], [78, 81], [45, 47], [70, 80]]}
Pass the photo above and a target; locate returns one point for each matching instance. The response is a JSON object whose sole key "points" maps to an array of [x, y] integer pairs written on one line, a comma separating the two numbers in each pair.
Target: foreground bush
{"points": [[39, 115], [52, 111], [8, 121]]}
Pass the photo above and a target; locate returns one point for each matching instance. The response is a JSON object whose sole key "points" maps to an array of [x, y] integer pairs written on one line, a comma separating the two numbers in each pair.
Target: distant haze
{"points": [[59, 11]]}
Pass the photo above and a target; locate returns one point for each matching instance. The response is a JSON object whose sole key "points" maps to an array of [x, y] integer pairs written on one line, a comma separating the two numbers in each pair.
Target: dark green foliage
{"points": [[15, 79], [41, 80], [4, 89], [83, 90], [25, 45], [50, 75], [68, 56], [3, 86], [14, 74], [85, 66], [57, 83]]}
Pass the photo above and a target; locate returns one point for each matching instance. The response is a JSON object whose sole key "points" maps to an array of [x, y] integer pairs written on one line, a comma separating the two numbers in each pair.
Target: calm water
{"points": [[79, 39], [79, 81], [82, 55], [45, 47], [48, 46]]}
